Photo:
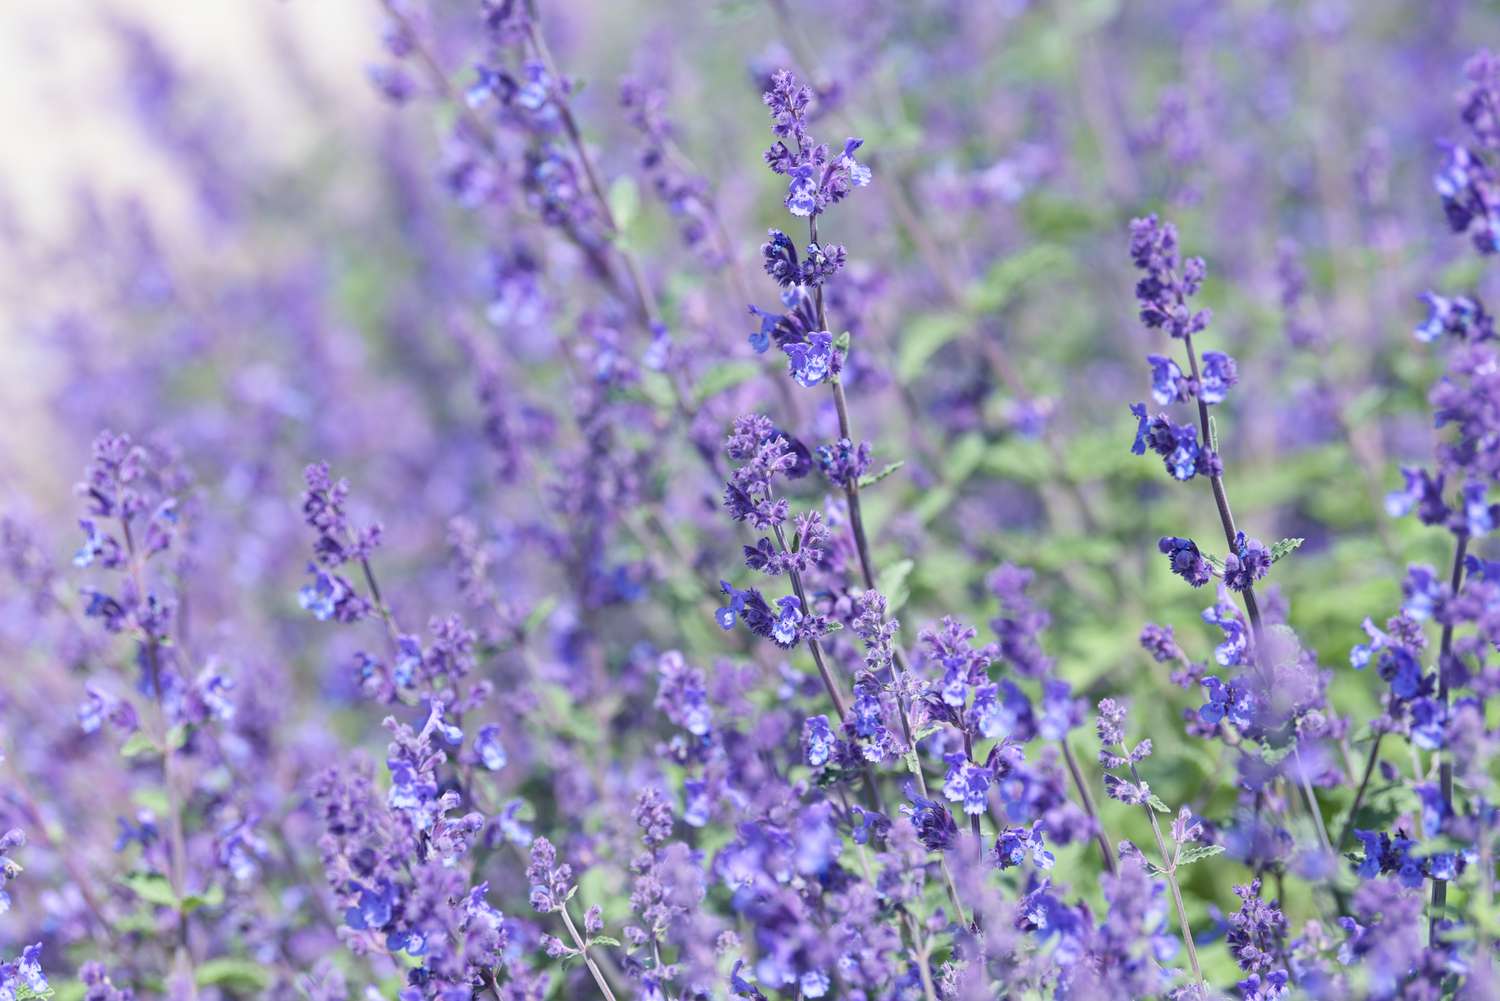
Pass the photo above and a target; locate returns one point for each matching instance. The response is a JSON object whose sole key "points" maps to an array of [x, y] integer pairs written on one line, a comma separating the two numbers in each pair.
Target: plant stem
{"points": [[1088, 806], [1312, 802], [1445, 765], [176, 836], [588, 958], [1169, 869], [1364, 783]]}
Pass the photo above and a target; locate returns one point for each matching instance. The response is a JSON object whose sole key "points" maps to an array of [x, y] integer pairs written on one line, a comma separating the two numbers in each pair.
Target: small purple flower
{"points": [[1249, 562], [1218, 375], [811, 362], [966, 783], [1167, 382], [818, 741], [1187, 562], [487, 745]]}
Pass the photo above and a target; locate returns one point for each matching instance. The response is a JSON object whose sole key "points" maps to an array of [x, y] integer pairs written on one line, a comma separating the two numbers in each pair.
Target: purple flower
{"points": [[1218, 374], [1249, 562], [966, 783], [1168, 385], [813, 361], [1186, 561], [818, 741]]}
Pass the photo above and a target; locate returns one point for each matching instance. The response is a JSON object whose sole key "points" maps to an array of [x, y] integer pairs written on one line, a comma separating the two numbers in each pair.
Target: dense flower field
{"points": [[933, 501]]}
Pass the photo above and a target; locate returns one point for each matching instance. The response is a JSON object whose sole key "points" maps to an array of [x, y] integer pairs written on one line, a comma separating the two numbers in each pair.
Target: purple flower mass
{"points": [[560, 515]]}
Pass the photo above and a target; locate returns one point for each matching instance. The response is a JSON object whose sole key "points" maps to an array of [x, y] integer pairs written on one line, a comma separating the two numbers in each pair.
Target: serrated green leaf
{"points": [[604, 940], [870, 479], [725, 375], [232, 973], [841, 343], [1157, 805], [152, 887], [1197, 853], [1285, 548]]}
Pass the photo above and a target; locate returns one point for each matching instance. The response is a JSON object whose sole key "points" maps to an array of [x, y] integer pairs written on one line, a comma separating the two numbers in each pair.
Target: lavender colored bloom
{"points": [[1219, 374], [813, 361], [1249, 562], [1458, 316], [934, 824], [818, 741], [1186, 561], [1168, 385]]}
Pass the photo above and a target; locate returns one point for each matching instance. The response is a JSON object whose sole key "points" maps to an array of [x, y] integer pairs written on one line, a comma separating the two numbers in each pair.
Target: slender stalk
{"points": [[1445, 766], [176, 835], [588, 957], [1312, 802], [1364, 783], [920, 950], [1169, 869], [1226, 516], [1087, 799]]}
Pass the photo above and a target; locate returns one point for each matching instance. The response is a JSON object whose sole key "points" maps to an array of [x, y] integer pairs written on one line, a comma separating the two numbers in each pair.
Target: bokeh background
{"points": [[220, 235]]}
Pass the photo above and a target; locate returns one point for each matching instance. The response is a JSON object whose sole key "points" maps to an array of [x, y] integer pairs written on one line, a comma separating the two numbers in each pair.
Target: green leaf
{"points": [[892, 583], [1001, 283], [1285, 548], [725, 375], [538, 615], [870, 479], [212, 897], [138, 744], [235, 974], [1157, 804], [924, 337], [841, 343], [604, 940], [1197, 853], [624, 201], [152, 887], [1213, 434]]}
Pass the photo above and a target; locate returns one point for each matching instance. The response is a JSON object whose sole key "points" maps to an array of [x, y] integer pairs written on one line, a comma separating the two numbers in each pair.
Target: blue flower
{"points": [[818, 742], [1236, 637], [1218, 375], [1138, 410], [859, 174], [802, 192], [787, 620], [1186, 561], [487, 745], [1167, 384], [760, 339], [1479, 516], [811, 361], [966, 783]]}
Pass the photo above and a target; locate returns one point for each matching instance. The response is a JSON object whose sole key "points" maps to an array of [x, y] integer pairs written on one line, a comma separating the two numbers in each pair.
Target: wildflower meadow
{"points": [[762, 499]]}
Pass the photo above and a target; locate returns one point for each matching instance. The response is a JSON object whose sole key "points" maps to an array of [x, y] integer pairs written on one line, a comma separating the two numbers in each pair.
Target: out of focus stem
{"points": [[176, 838], [1445, 760], [1087, 800], [1169, 869]]}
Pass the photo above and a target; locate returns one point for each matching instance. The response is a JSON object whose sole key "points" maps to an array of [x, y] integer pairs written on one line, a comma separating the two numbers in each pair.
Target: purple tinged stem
{"points": [[588, 957], [1087, 801], [1445, 766], [177, 839], [1169, 869]]}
